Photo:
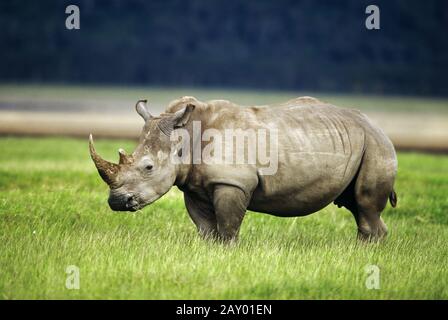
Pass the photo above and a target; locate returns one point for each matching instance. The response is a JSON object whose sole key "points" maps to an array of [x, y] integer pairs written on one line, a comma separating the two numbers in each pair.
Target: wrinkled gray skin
{"points": [[326, 154]]}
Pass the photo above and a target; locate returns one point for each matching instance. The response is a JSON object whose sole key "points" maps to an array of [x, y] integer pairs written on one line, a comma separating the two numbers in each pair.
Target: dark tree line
{"points": [[300, 45]]}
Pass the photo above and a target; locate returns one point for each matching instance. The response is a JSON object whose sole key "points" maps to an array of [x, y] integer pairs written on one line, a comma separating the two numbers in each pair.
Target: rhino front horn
{"points": [[107, 170]]}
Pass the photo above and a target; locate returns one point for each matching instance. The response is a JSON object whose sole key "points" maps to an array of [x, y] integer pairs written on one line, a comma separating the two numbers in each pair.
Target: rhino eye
{"points": [[148, 167]]}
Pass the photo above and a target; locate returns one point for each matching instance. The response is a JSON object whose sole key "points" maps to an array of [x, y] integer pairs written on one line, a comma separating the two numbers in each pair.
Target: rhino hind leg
{"points": [[348, 200], [367, 196]]}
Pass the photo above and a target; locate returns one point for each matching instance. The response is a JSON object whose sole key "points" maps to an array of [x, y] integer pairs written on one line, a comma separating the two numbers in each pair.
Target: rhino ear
{"points": [[142, 110], [179, 119], [182, 116]]}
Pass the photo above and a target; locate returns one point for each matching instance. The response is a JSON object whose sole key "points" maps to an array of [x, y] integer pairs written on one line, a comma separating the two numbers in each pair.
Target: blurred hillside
{"points": [[412, 123], [289, 45]]}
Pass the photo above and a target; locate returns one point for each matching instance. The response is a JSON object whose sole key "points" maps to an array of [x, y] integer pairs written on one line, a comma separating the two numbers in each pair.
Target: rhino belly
{"points": [[305, 184]]}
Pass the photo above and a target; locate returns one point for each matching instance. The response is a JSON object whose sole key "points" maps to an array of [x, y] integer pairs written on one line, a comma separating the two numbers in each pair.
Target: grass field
{"points": [[53, 213]]}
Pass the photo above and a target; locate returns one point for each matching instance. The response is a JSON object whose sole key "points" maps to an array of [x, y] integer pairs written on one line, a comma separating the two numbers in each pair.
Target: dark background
{"points": [[291, 45]]}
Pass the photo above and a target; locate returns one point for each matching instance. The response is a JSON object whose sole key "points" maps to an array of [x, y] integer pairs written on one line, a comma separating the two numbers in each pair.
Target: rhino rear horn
{"points": [[124, 158], [107, 170]]}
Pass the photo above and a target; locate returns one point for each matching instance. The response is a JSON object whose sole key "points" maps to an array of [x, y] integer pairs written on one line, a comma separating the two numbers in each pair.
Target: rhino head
{"points": [[148, 173]]}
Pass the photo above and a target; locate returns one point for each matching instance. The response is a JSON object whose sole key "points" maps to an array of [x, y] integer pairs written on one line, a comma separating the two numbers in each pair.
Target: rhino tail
{"points": [[393, 199]]}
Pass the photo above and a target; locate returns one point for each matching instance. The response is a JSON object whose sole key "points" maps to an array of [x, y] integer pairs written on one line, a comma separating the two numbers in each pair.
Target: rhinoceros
{"points": [[325, 154]]}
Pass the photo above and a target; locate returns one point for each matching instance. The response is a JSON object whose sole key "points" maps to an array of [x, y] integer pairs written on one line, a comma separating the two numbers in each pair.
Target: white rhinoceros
{"points": [[323, 154]]}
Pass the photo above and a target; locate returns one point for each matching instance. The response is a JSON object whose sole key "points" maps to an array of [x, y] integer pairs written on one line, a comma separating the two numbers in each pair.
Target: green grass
{"points": [[53, 213]]}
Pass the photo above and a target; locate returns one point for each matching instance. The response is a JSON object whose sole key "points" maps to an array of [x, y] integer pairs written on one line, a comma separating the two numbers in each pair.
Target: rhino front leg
{"points": [[230, 207], [203, 215]]}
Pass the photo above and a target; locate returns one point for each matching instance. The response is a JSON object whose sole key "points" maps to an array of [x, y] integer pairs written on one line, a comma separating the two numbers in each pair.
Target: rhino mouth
{"points": [[139, 205], [134, 208], [128, 201], [123, 203]]}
